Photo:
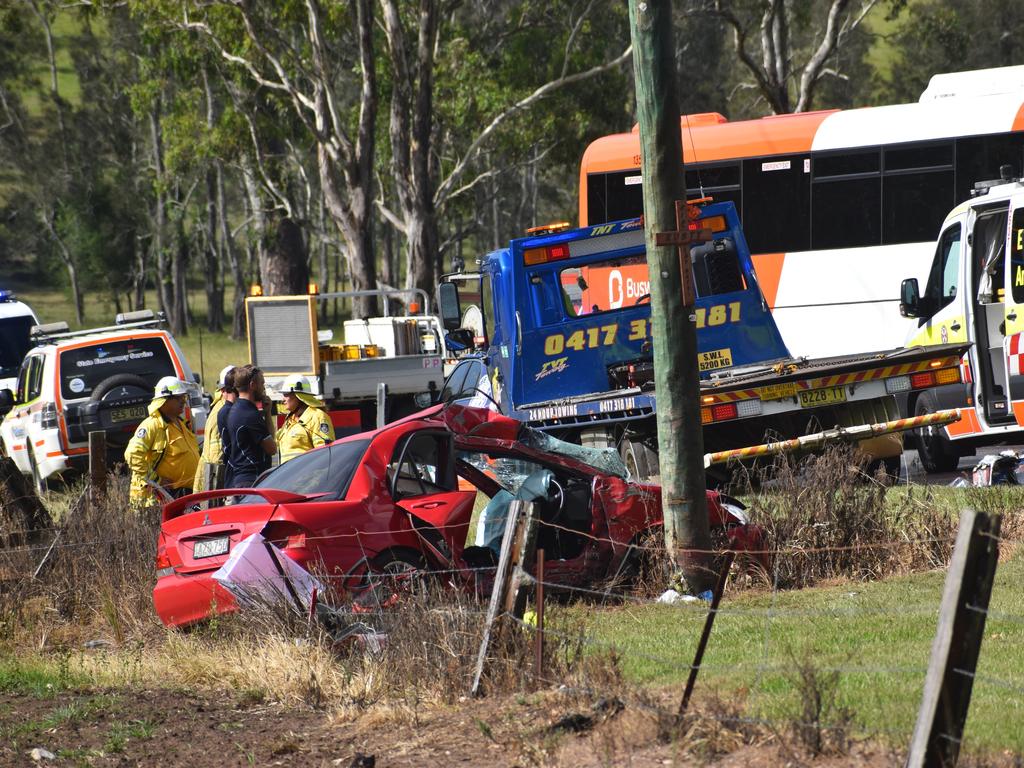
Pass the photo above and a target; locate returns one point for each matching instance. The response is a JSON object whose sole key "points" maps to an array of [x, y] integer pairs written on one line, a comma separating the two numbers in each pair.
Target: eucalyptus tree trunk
{"points": [[213, 252], [284, 265], [234, 258], [163, 277]]}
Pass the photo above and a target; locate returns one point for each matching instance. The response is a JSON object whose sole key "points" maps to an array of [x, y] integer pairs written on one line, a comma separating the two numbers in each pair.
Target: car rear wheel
{"points": [[398, 571]]}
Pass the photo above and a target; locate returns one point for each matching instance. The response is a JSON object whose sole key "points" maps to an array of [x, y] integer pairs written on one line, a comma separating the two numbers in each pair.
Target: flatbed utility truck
{"points": [[564, 331], [404, 353]]}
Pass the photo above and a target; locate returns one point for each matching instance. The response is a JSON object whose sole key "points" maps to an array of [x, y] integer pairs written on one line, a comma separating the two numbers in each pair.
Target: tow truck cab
{"points": [[974, 293], [567, 313]]}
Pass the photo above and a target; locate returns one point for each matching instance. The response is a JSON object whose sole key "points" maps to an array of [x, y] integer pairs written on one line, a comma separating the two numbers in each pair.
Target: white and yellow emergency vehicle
{"points": [[974, 293], [71, 383]]}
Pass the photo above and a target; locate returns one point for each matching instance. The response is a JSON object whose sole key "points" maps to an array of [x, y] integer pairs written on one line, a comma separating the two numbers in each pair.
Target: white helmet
{"points": [[171, 386], [300, 387], [222, 378], [294, 385]]}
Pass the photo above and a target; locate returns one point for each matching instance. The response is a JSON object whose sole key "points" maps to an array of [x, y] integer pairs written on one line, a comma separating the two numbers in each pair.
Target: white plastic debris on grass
{"points": [[258, 572], [671, 597]]}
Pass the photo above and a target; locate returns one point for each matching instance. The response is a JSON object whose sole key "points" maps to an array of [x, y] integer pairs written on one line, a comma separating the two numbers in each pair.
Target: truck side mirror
{"points": [[460, 339], [910, 299], [6, 401], [451, 308]]}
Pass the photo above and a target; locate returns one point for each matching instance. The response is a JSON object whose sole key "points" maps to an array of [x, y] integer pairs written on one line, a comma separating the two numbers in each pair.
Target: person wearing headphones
{"points": [[307, 425], [213, 448], [164, 449]]}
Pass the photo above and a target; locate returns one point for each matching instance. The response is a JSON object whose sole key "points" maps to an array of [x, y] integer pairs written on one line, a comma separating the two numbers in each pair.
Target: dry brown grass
{"points": [[828, 519]]}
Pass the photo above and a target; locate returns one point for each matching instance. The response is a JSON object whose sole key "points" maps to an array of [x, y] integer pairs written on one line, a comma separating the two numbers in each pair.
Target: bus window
{"points": [[614, 196], [915, 205], [941, 288], [917, 191], [847, 182], [978, 158], [776, 202]]}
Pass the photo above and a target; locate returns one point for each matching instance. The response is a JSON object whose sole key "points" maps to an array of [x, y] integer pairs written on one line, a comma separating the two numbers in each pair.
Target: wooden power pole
{"points": [[674, 332]]}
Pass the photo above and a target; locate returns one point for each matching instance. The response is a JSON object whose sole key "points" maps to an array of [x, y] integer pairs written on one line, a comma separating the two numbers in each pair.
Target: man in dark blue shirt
{"points": [[251, 442], [230, 395]]}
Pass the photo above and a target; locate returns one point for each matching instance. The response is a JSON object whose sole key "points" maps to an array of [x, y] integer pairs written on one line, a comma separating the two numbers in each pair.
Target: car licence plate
{"points": [[134, 413], [812, 398], [210, 547]]}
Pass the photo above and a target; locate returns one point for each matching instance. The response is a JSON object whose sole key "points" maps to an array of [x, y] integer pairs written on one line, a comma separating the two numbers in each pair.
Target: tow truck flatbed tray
{"points": [[638, 403]]}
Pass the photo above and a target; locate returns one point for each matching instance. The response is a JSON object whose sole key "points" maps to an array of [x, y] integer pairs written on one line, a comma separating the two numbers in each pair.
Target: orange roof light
{"points": [[546, 229], [255, 289]]}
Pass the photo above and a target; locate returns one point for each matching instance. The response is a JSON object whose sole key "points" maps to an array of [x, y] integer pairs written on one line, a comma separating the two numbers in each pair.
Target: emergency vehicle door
{"points": [[945, 321], [1013, 345]]}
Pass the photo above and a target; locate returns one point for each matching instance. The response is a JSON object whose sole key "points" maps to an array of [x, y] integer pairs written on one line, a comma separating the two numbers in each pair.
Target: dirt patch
{"points": [[175, 728]]}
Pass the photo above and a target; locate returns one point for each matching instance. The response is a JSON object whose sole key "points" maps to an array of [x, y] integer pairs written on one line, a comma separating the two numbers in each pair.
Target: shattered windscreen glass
{"points": [[606, 460], [508, 472]]}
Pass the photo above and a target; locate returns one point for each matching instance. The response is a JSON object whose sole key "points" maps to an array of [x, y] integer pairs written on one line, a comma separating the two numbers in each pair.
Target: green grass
{"points": [[39, 679], [878, 635]]}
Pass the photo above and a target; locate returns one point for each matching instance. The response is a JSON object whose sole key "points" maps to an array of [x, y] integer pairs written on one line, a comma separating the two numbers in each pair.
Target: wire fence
{"points": [[765, 637]]}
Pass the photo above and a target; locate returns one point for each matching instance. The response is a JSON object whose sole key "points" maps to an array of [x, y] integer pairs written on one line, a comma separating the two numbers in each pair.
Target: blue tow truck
{"points": [[557, 332]]}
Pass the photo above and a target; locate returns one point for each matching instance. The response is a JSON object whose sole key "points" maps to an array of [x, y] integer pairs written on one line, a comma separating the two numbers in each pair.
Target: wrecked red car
{"points": [[402, 497]]}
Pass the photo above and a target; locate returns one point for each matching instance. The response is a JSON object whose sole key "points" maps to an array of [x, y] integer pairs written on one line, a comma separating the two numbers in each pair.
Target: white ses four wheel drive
{"points": [[975, 293], [73, 383]]}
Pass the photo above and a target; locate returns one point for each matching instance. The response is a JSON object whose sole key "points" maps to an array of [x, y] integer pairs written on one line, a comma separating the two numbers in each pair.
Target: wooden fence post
{"points": [[97, 467], [505, 594], [957, 644], [539, 601]]}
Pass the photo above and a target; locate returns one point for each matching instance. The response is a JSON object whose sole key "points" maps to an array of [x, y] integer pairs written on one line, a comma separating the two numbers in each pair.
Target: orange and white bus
{"points": [[837, 206]]}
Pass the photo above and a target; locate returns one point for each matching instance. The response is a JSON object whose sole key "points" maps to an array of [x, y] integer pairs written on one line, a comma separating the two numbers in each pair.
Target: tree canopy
{"points": [[183, 146]]}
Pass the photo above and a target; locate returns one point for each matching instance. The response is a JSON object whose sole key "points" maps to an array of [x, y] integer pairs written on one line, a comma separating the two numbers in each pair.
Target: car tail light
{"points": [[163, 564], [48, 417]]}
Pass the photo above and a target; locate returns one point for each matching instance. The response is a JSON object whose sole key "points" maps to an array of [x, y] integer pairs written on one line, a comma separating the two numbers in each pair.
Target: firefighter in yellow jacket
{"points": [[213, 448], [164, 449], [307, 426]]}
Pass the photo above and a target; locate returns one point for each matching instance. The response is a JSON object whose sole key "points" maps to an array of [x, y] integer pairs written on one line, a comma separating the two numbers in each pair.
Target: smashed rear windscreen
{"points": [[83, 368], [605, 460]]}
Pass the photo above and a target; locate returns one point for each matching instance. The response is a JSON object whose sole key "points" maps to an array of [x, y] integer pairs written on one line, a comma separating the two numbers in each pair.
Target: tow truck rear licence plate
{"points": [[812, 398], [210, 547]]}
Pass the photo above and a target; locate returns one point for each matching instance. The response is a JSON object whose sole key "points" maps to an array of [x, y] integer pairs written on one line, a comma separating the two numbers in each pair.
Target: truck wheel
{"points": [[639, 459], [935, 449]]}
